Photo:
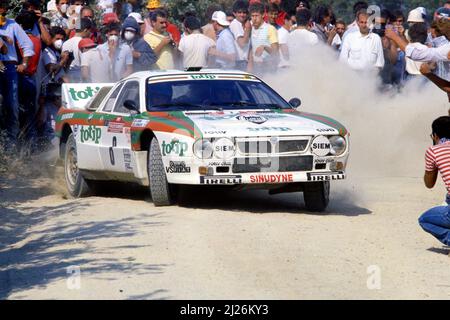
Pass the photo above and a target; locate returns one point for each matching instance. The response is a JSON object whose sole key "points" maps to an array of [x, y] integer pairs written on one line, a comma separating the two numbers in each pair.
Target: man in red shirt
{"points": [[437, 220]]}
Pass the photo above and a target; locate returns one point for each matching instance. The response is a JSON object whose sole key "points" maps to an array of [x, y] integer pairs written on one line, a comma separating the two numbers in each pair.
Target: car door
{"points": [[116, 139]]}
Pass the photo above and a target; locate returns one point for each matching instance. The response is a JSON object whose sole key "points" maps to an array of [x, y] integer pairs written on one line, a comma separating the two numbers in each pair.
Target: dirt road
{"points": [[238, 245]]}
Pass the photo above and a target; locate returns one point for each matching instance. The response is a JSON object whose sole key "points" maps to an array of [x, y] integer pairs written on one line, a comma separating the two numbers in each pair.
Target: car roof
{"points": [[156, 73]]}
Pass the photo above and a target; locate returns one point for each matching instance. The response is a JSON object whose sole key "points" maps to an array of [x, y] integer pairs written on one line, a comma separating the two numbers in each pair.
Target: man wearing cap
{"points": [[143, 55], [152, 6], [225, 50], [160, 41], [194, 45], [9, 78]]}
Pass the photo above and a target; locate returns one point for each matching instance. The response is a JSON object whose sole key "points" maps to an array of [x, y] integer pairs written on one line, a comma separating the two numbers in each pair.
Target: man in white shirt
{"points": [[71, 47], [363, 50], [194, 45], [301, 37], [283, 39], [241, 29], [353, 27]]}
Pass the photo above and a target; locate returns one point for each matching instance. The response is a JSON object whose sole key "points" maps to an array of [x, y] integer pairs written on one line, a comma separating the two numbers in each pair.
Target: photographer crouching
{"points": [[437, 158]]}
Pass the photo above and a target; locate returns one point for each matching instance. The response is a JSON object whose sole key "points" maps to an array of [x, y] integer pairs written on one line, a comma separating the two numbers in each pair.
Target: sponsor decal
{"points": [[203, 76], [127, 160], [325, 130], [140, 123], [271, 178], [221, 132], [115, 127], [221, 180], [88, 93], [224, 148], [90, 134], [319, 161], [218, 164], [67, 116], [174, 147], [127, 132], [252, 118], [178, 167], [321, 146], [284, 129], [325, 176]]}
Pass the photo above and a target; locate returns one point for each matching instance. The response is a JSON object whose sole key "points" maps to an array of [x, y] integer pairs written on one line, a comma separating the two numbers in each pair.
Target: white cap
{"points": [[220, 17], [422, 10], [51, 6], [415, 16], [137, 16]]}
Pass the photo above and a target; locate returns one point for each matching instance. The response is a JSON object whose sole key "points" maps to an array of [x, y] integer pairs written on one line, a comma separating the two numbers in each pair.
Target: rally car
{"points": [[166, 129]]}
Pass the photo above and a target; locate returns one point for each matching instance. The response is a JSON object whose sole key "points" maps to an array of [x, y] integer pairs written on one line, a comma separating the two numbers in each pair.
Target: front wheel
{"points": [[161, 191], [76, 184], [317, 196]]}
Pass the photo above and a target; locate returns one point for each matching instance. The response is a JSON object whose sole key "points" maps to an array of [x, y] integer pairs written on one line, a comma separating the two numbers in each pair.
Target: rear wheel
{"points": [[161, 191], [317, 196], [76, 185]]}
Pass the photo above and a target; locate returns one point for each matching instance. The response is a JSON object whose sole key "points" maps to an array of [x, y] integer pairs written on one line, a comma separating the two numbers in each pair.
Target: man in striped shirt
{"points": [[437, 220]]}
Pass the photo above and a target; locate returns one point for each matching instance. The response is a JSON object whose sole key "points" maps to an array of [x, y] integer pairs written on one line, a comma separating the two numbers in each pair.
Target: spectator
{"points": [[417, 34], [241, 29], [336, 34], [303, 4], [27, 80], [53, 61], [322, 18], [87, 12], [39, 30], [353, 27], [436, 221], [160, 41], [208, 29], [442, 67], [119, 54], [264, 42], [137, 16], [95, 64], [301, 36], [363, 50], [225, 50], [49, 113], [143, 55], [60, 19], [230, 16], [278, 20], [399, 69], [389, 48], [153, 6], [273, 11], [71, 47], [194, 46], [283, 39], [9, 78]]}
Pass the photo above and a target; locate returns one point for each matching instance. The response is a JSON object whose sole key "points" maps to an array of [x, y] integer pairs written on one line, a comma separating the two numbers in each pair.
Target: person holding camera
{"points": [[160, 41], [436, 221]]}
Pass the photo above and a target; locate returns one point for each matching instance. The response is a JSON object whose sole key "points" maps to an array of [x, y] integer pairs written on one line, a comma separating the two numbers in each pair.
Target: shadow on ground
{"points": [[37, 245]]}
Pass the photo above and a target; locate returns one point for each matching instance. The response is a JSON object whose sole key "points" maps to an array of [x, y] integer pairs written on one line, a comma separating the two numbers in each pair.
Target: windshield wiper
{"points": [[235, 103], [184, 104]]}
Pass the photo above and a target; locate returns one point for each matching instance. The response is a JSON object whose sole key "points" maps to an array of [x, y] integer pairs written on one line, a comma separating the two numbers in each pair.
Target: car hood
{"points": [[246, 123]]}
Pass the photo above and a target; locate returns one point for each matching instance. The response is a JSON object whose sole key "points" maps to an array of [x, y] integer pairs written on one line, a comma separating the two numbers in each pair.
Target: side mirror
{"points": [[131, 105], [295, 102]]}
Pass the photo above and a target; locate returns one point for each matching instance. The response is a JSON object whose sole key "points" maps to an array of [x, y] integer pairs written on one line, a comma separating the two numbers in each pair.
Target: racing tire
{"points": [[161, 191], [317, 196], [77, 186]]}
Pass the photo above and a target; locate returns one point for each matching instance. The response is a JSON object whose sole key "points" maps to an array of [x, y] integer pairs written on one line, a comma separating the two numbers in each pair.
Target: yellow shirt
{"points": [[165, 59]]}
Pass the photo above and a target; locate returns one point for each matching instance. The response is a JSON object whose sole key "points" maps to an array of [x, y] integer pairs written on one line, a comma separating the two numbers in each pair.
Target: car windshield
{"points": [[212, 95]]}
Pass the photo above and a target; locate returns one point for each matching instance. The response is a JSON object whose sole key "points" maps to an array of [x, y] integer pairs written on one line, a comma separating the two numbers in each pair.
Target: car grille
{"points": [[273, 164], [259, 147]]}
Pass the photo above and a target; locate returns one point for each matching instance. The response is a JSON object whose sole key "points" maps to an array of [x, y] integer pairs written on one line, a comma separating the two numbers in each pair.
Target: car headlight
{"points": [[224, 148], [203, 149], [338, 145]]}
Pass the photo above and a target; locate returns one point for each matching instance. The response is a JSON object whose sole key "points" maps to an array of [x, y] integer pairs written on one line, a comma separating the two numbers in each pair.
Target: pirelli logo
{"points": [[325, 176], [221, 180]]}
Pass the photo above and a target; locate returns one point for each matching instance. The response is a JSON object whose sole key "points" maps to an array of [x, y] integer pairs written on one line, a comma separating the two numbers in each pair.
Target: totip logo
{"points": [[87, 93]]}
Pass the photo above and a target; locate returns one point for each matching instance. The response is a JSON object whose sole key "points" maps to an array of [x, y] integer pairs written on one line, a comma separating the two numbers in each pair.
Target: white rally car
{"points": [[166, 129]]}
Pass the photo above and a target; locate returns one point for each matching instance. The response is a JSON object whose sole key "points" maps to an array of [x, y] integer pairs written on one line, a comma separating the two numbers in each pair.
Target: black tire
{"points": [[161, 191], [77, 186], [317, 196]]}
